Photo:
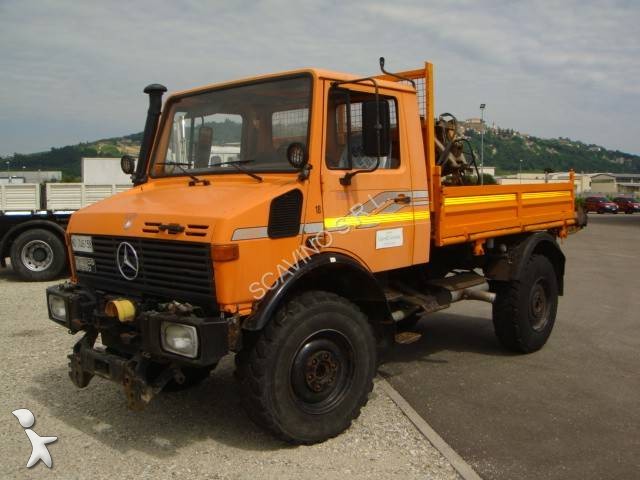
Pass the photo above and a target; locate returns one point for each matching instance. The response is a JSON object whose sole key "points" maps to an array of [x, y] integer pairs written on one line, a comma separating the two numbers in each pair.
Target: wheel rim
{"points": [[37, 255], [322, 371], [539, 305]]}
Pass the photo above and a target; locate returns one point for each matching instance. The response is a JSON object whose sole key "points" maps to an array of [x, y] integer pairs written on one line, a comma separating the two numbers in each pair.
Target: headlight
{"points": [[57, 307], [179, 339]]}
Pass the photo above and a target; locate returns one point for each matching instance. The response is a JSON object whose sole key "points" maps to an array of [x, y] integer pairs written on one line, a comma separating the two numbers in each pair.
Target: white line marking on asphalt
{"points": [[463, 468]]}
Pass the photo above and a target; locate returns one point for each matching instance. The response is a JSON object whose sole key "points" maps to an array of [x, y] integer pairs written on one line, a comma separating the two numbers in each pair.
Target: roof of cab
{"points": [[314, 72]]}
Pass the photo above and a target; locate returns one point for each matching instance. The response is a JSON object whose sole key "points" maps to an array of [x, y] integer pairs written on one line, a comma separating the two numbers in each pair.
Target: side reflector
{"points": [[225, 253]]}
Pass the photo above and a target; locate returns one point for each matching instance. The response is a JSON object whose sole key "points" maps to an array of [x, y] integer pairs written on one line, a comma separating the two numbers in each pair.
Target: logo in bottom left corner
{"points": [[39, 450]]}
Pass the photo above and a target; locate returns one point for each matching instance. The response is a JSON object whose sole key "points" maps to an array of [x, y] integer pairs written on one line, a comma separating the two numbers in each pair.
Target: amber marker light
{"points": [[225, 253]]}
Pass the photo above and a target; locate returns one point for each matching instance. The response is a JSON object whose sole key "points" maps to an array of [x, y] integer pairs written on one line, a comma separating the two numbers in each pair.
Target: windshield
{"points": [[249, 126]]}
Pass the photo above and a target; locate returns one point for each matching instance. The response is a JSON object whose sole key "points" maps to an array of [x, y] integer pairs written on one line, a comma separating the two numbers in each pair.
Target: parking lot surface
{"points": [[569, 411], [200, 433]]}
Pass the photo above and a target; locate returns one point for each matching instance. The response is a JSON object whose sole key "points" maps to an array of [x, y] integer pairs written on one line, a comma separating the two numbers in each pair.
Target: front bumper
{"points": [[141, 383], [130, 348]]}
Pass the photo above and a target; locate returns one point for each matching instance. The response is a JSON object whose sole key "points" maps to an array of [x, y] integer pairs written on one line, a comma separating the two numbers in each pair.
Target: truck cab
{"points": [[303, 221]]}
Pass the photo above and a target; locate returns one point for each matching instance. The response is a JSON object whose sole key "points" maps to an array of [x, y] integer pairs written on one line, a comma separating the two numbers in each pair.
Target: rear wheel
{"points": [[38, 255], [525, 310], [310, 370]]}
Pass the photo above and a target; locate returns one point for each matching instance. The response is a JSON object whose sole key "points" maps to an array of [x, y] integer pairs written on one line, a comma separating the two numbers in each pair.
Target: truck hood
{"points": [[207, 213]]}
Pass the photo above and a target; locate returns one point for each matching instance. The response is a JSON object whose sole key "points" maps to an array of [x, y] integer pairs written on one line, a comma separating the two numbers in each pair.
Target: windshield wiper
{"points": [[232, 162], [236, 164], [194, 180]]}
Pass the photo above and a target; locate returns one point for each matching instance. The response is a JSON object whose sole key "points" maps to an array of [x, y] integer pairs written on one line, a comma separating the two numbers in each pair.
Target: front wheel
{"points": [[38, 255], [525, 310], [311, 369]]}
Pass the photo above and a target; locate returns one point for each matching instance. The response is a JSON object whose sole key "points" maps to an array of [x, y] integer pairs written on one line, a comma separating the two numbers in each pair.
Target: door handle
{"points": [[402, 199]]}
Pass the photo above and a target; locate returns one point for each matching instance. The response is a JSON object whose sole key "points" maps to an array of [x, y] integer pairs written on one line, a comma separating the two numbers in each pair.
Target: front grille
{"points": [[167, 269]]}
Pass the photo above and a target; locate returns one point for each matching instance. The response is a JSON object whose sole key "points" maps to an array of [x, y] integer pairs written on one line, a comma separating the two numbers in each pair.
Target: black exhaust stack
{"points": [[155, 92]]}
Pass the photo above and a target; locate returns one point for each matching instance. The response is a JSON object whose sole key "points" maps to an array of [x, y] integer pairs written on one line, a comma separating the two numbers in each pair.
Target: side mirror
{"points": [[203, 151], [128, 164], [370, 128]]}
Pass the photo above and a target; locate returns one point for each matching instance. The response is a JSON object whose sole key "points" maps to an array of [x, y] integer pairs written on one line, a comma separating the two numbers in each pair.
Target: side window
{"points": [[344, 132]]}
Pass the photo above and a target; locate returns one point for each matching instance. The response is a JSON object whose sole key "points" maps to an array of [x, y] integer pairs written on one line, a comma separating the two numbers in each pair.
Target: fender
{"points": [[14, 231], [362, 285], [513, 265]]}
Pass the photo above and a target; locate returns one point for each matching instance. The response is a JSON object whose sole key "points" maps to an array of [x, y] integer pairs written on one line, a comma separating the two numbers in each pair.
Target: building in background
{"points": [[582, 181], [27, 176], [103, 171], [473, 124], [615, 183], [489, 170]]}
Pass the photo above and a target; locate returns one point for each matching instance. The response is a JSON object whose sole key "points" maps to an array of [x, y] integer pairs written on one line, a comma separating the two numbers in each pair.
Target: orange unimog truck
{"points": [[303, 221]]}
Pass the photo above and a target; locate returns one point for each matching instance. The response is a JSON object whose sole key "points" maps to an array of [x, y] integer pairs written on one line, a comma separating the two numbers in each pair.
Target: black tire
{"points": [[311, 369], [525, 310], [38, 255]]}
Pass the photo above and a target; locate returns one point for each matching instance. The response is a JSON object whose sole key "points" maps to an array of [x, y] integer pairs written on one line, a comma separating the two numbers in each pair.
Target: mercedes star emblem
{"points": [[127, 260]]}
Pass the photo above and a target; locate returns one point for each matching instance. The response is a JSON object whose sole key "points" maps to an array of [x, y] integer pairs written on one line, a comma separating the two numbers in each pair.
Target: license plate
{"points": [[81, 243], [85, 264]]}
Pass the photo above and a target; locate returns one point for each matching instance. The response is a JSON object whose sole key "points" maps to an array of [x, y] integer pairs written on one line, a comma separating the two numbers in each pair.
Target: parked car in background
{"points": [[600, 205], [627, 204]]}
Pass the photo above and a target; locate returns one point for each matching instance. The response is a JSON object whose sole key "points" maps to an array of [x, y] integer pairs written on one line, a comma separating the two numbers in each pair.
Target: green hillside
{"points": [[504, 149], [67, 159]]}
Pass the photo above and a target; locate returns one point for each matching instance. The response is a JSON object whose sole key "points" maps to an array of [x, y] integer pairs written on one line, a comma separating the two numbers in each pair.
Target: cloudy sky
{"points": [[74, 71]]}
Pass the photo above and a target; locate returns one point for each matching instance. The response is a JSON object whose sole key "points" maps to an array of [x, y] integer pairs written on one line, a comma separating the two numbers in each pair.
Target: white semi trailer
{"points": [[33, 219]]}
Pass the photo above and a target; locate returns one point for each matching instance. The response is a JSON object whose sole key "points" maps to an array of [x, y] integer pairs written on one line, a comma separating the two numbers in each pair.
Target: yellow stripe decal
{"points": [[360, 220], [507, 197], [532, 195]]}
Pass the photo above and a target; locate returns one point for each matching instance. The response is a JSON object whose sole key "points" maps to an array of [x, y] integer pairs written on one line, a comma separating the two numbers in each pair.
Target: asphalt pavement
{"points": [[569, 411]]}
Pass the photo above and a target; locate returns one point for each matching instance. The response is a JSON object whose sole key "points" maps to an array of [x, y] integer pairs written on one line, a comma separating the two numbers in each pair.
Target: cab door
{"points": [[372, 219]]}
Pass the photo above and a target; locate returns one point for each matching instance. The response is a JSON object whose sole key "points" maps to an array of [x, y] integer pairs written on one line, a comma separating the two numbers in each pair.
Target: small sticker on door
{"points": [[389, 238]]}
